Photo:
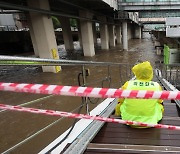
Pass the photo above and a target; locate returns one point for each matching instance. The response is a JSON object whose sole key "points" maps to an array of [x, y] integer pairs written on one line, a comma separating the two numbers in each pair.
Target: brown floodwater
{"points": [[17, 126]]}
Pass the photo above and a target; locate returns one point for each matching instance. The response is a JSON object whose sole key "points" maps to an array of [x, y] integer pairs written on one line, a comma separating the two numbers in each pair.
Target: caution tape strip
{"points": [[83, 116], [88, 91]]}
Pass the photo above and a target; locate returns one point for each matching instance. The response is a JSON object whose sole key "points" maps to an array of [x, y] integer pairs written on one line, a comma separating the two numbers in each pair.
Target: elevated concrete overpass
{"points": [[66, 8], [38, 14], [144, 5], [153, 11], [159, 14]]}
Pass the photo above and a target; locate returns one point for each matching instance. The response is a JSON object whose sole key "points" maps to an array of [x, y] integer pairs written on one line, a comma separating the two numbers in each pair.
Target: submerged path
{"points": [[16, 127]]}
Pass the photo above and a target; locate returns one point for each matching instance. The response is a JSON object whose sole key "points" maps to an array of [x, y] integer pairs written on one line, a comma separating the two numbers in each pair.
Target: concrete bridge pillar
{"points": [[104, 33], [67, 34], [125, 36], [42, 27], [111, 35], [138, 32], [87, 34], [94, 34], [118, 34], [79, 33], [33, 38]]}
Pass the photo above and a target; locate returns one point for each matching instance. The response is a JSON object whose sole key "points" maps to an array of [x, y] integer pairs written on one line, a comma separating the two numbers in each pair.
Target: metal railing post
{"points": [[109, 76], [85, 99]]}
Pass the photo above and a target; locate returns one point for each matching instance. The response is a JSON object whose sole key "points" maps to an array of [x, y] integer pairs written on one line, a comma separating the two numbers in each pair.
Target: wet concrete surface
{"points": [[16, 126]]}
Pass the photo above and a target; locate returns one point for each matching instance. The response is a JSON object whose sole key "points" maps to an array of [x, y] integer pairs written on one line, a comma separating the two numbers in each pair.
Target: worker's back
{"points": [[142, 110]]}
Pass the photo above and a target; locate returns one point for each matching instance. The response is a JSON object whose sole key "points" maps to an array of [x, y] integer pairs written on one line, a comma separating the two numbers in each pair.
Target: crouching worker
{"points": [[141, 110]]}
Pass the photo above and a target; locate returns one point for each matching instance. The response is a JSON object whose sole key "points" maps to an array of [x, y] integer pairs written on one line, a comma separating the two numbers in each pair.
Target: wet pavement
{"points": [[16, 126]]}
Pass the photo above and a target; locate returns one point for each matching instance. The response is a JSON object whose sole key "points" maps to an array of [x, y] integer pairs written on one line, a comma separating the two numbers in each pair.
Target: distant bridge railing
{"points": [[137, 1], [146, 5]]}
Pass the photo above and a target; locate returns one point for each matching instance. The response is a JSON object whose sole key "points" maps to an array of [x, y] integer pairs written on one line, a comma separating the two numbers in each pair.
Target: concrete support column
{"points": [[79, 34], [104, 36], [130, 31], [138, 32], [87, 34], [111, 36], [33, 38], [118, 34], [104, 33], [44, 33], [94, 33], [125, 36], [67, 34]]}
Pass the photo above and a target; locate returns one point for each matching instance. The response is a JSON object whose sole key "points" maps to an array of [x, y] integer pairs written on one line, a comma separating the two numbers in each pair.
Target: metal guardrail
{"points": [[166, 84], [12, 60], [123, 69], [107, 73], [144, 1], [171, 73]]}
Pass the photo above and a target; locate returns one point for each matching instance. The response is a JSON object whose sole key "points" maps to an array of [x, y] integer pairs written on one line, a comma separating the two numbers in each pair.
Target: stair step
{"points": [[93, 147]]}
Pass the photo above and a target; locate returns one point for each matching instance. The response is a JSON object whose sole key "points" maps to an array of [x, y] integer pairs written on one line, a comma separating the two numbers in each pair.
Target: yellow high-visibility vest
{"points": [[142, 110]]}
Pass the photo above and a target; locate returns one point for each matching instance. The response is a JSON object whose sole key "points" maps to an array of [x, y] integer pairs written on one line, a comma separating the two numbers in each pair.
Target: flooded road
{"points": [[16, 126]]}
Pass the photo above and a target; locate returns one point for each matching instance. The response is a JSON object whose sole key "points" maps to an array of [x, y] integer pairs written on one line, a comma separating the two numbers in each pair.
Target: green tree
{"points": [[73, 22], [56, 22]]}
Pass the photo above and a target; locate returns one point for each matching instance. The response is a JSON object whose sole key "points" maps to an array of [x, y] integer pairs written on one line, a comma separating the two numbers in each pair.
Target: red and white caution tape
{"points": [[83, 116], [88, 91]]}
